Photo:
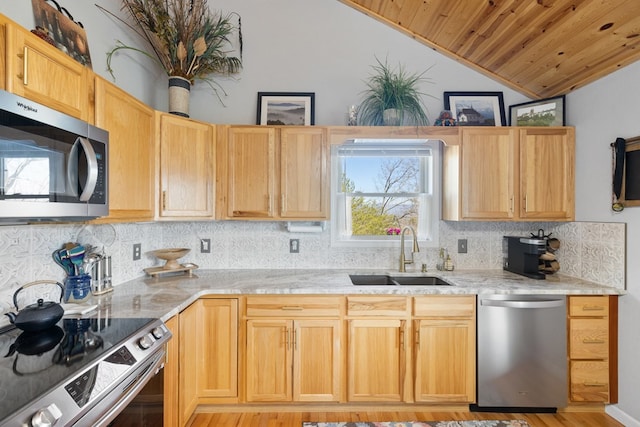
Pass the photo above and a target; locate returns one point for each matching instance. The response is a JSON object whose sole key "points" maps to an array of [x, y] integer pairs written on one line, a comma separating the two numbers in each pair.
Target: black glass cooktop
{"points": [[32, 363]]}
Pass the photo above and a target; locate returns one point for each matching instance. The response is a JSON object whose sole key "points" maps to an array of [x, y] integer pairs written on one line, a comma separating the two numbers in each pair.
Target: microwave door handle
{"points": [[92, 168]]}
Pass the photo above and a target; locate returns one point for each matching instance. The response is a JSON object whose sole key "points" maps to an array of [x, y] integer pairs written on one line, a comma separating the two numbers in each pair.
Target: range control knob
{"points": [[145, 342], [46, 417], [157, 333]]}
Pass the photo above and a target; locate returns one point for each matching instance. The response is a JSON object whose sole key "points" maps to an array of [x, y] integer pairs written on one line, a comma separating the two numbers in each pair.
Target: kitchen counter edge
{"points": [[165, 296]]}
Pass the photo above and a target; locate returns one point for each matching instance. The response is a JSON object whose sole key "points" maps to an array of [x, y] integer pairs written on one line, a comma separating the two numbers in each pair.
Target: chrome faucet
{"points": [[403, 260]]}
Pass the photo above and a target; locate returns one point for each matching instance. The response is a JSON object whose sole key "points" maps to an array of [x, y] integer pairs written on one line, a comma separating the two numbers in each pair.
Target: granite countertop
{"points": [[162, 297]]}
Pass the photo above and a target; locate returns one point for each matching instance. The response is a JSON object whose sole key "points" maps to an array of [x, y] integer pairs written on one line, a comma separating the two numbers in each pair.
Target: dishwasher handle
{"points": [[545, 303]]}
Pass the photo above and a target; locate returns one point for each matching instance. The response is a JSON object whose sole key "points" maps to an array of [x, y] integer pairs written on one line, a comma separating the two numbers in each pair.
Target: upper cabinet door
{"points": [[186, 167], [304, 183], [547, 173], [488, 173], [42, 73], [131, 152], [251, 172]]}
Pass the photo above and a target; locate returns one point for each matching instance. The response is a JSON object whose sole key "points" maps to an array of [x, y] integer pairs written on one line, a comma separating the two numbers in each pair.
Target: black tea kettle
{"points": [[38, 316]]}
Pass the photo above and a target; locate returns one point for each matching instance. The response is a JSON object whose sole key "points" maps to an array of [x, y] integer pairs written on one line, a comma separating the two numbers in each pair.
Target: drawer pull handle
{"points": [[592, 308], [594, 384], [592, 341], [287, 344], [292, 307]]}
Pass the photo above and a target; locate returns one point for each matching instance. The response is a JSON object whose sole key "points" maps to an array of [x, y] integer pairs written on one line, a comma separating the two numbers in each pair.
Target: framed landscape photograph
{"points": [[544, 112], [286, 108], [476, 108]]}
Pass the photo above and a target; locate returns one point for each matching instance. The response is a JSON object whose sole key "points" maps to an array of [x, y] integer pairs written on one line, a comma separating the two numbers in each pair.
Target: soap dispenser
{"points": [[448, 263]]}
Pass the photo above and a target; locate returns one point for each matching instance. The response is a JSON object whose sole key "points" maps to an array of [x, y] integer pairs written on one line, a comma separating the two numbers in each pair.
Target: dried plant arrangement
{"points": [[187, 38]]}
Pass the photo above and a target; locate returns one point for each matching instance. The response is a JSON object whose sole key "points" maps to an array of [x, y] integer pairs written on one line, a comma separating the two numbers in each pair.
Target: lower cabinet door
{"points": [[376, 360], [268, 373], [316, 361], [218, 374], [444, 361], [188, 338]]}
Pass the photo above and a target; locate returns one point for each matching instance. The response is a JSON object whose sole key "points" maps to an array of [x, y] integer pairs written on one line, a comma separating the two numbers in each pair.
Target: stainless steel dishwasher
{"points": [[522, 353]]}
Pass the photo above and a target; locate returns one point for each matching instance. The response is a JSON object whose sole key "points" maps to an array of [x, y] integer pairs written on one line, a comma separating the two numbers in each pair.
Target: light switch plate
{"points": [[462, 246], [205, 246]]}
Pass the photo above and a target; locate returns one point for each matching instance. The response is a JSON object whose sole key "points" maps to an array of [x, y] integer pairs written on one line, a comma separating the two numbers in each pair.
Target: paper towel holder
{"points": [[306, 226]]}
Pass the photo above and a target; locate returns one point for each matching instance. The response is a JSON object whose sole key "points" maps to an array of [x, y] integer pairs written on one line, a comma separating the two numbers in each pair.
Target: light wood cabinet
{"points": [[547, 173], [189, 321], [44, 74], [172, 375], [444, 348], [208, 372], [130, 124], [502, 173], [377, 360], [593, 349], [293, 349], [218, 351], [186, 168], [377, 354], [268, 172]]}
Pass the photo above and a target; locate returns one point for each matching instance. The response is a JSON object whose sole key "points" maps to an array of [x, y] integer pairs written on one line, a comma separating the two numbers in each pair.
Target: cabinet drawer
{"points": [[293, 306], [377, 306], [444, 306], [589, 339], [589, 306], [589, 381]]}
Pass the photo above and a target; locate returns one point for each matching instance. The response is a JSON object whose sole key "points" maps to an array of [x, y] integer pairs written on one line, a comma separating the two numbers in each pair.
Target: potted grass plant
{"points": [[189, 41], [393, 98]]}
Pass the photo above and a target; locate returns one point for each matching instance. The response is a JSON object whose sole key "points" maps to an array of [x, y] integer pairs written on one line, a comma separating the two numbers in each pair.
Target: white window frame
{"points": [[428, 230]]}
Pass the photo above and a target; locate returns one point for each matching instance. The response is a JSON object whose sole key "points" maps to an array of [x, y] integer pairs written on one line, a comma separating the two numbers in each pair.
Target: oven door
{"points": [[147, 407], [106, 412]]}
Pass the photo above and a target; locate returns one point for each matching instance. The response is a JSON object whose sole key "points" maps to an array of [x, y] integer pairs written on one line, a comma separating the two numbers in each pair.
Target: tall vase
{"points": [[179, 89], [391, 117]]}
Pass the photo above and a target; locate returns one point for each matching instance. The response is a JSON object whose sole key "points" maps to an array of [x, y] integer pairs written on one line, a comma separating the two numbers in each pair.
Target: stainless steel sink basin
{"points": [[384, 279]]}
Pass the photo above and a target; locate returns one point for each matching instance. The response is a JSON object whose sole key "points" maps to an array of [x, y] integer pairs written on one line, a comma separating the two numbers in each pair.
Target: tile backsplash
{"points": [[592, 251]]}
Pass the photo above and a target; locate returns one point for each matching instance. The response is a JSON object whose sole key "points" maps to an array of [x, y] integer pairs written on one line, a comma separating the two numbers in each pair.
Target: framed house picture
{"points": [[544, 112], [476, 108], [286, 108]]}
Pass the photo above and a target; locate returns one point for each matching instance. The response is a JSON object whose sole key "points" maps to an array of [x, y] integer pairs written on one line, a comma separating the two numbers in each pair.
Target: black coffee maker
{"points": [[521, 255]]}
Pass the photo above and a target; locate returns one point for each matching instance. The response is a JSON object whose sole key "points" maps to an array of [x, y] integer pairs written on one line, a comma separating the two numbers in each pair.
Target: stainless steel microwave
{"points": [[53, 167]]}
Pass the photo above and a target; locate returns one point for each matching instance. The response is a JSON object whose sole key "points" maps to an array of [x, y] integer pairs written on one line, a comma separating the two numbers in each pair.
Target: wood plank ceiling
{"points": [[541, 48]]}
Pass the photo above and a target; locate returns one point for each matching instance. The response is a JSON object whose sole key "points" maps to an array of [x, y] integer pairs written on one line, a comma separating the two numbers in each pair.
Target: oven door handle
{"points": [[132, 390]]}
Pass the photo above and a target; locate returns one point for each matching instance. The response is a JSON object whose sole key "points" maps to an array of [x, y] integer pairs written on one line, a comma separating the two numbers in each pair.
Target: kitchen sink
{"points": [[385, 279]]}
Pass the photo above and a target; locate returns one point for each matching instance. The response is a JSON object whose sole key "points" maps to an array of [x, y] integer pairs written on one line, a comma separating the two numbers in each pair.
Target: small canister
{"points": [[106, 283], [97, 273]]}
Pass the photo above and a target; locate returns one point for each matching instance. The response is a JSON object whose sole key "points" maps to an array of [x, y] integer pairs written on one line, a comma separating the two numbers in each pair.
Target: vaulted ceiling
{"points": [[541, 48]]}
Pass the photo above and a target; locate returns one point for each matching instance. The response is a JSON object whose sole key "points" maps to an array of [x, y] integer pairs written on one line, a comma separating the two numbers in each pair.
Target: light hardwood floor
{"points": [[295, 419]]}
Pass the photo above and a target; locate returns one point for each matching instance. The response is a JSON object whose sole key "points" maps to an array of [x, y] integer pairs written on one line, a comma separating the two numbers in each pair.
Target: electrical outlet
{"points": [[137, 251], [462, 246], [294, 246], [205, 246]]}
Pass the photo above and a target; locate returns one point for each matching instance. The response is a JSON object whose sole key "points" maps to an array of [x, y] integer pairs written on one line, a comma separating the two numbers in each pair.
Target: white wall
{"points": [[290, 46], [601, 112]]}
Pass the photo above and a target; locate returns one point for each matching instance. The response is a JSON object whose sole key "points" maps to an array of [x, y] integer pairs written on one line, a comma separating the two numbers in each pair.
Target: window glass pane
{"points": [[378, 189], [382, 216], [382, 174]]}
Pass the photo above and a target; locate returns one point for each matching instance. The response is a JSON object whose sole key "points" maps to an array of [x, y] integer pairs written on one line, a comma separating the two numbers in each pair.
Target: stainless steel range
{"points": [[80, 372]]}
